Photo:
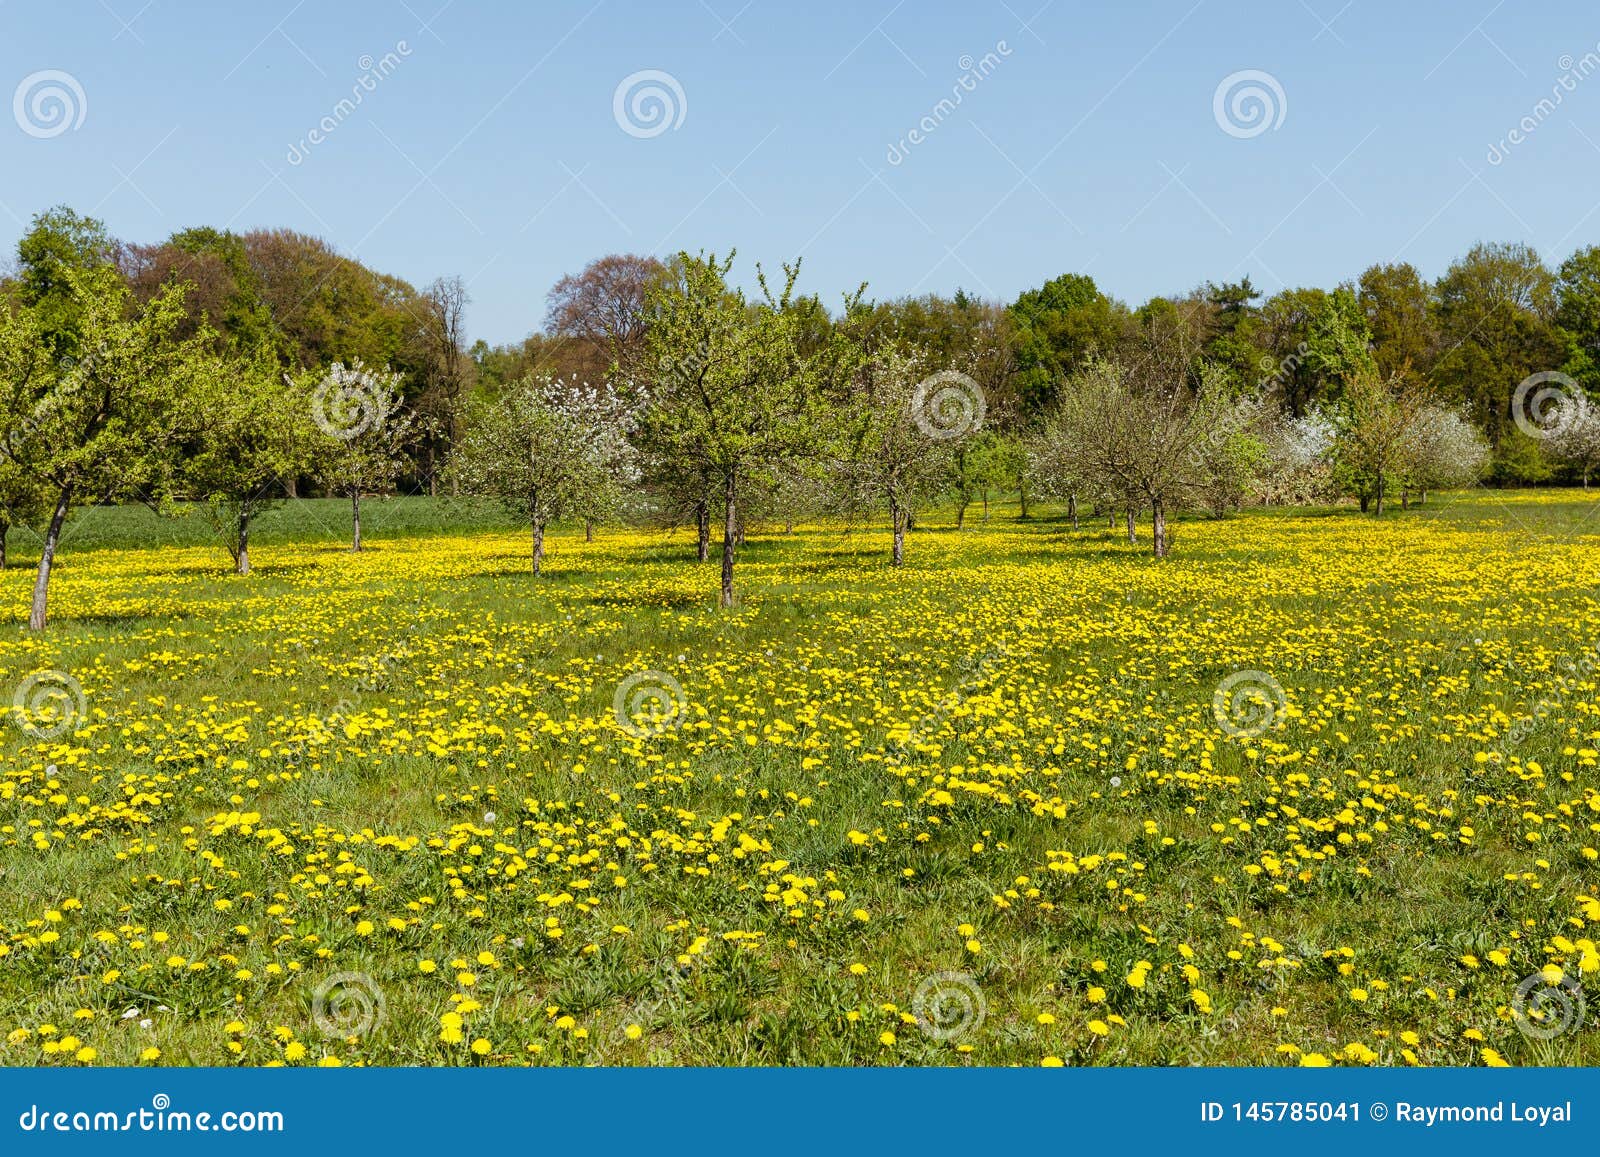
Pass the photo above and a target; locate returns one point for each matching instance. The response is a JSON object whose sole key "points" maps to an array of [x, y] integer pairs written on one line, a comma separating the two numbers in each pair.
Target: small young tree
{"points": [[893, 460], [257, 435], [365, 428], [1377, 423], [546, 451]]}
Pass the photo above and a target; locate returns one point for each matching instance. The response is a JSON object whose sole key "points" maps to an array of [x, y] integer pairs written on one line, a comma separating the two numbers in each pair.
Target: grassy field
{"points": [[412, 806]]}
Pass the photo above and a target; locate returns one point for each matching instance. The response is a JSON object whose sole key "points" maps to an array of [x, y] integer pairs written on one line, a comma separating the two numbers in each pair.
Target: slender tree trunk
{"points": [[1366, 503], [355, 518], [41, 583], [588, 530], [242, 562], [1133, 536], [897, 518], [702, 514], [1422, 496], [1405, 498], [911, 519], [986, 504], [538, 548], [788, 525], [1158, 529], [730, 530], [1378, 506], [1111, 520], [1022, 501], [5, 529], [1586, 478], [961, 515], [1072, 508], [291, 487]]}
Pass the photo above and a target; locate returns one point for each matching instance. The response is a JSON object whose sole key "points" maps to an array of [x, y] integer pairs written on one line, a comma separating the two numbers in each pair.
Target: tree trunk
{"points": [[986, 505], [1158, 529], [788, 525], [1072, 508], [1422, 496], [911, 519], [1366, 503], [5, 529], [291, 487], [538, 549], [961, 515], [1111, 520], [1585, 480], [1133, 536], [1022, 501], [41, 583], [355, 519], [588, 530], [241, 561], [702, 514], [898, 518], [1405, 498], [1378, 505], [730, 530]]}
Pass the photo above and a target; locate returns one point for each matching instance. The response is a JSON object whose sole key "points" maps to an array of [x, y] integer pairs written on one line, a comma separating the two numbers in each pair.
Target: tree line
{"points": [[234, 371]]}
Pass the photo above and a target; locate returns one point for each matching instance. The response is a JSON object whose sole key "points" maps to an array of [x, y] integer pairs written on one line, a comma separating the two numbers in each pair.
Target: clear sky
{"points": [[1086, 137]]}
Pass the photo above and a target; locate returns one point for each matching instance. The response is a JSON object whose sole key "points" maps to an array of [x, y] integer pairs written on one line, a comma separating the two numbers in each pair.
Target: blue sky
{"points": [[1091, 142]]}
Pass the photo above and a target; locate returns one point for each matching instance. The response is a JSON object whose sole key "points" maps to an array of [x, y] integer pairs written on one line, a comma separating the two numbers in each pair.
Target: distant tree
{"points": [[365, 428], [59, 246], [1578, 313], [446, 371], [1056, 329], [546, 451], [1496, 317], [604, 310], [1399, 312], [222, 297]]}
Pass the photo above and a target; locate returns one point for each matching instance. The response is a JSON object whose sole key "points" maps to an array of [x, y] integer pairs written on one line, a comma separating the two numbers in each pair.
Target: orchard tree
{"points": [[104, 422], [733, 397], [364, 432], [894, 460], [1139, 433], [1377, 435], [1574, 438], [546, 451], [1443, 450], [257, 436]]}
